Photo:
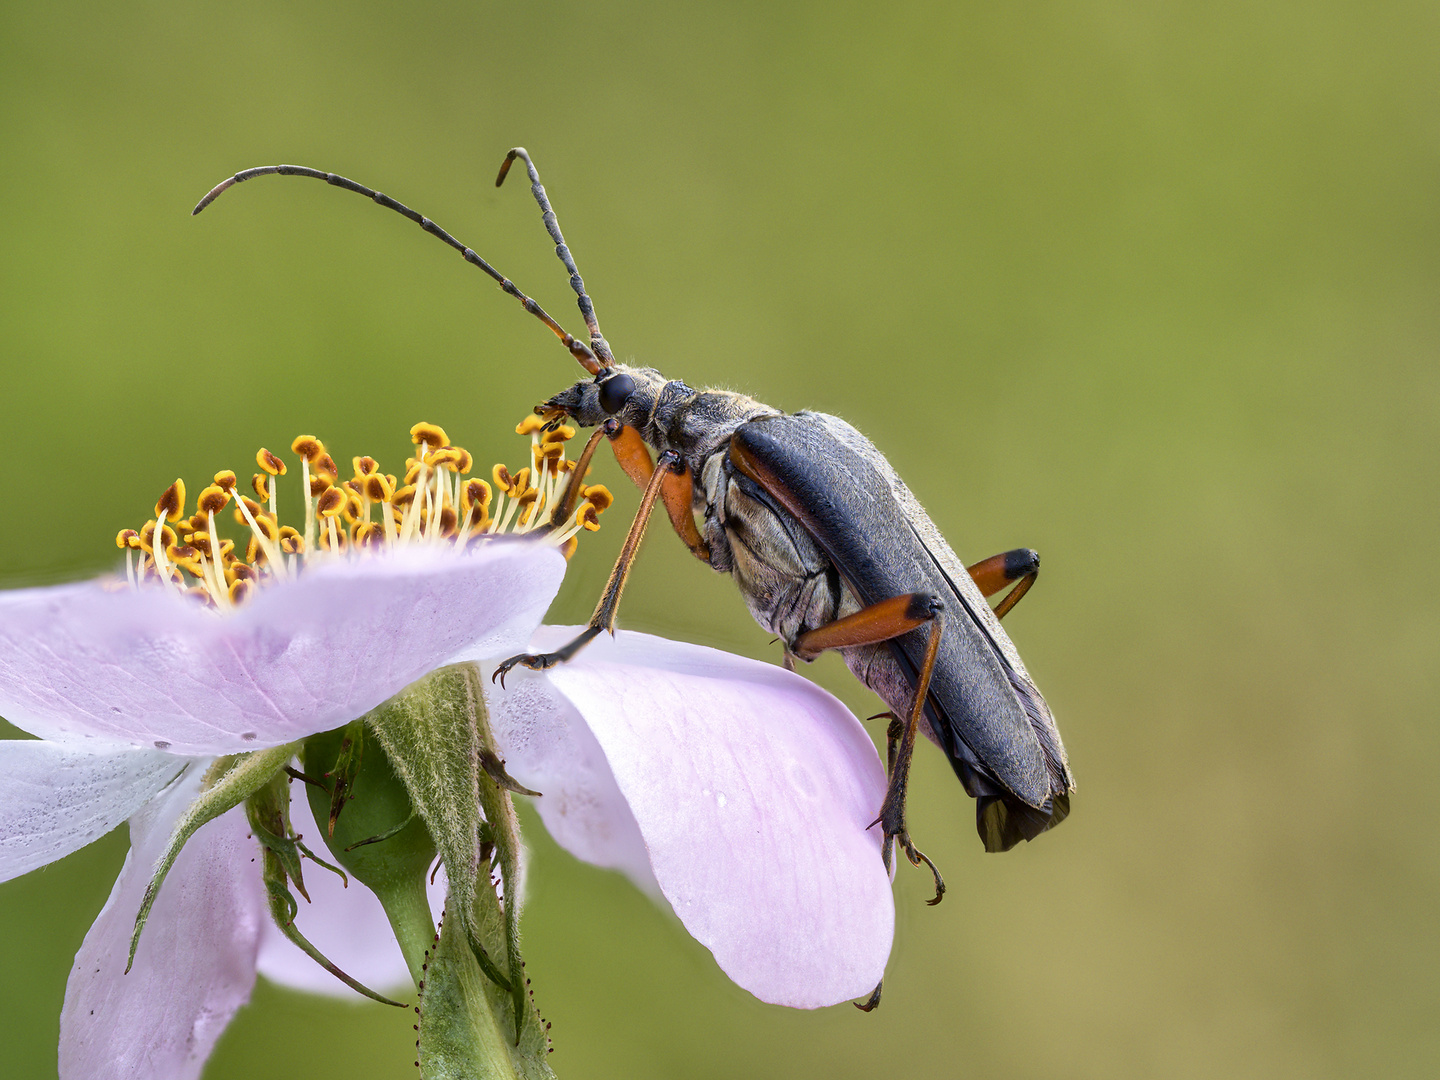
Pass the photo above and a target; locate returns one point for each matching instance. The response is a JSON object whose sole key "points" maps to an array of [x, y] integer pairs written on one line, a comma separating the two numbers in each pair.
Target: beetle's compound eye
{"points": [[615, 392]]}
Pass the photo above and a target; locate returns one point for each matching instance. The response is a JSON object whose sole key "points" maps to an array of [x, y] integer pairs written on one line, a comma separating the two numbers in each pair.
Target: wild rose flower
{"points": [[133, 691], [738, 791]]}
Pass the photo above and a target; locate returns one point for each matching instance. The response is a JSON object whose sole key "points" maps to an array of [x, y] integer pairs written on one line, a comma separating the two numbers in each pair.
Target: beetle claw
{"points": [[893, 827], [533, 661], [872, 1001]]}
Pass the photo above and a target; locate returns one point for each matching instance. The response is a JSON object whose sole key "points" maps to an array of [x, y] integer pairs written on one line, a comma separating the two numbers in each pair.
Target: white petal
{"points": [[56, 799], [348, 925], [548, 748], [150, 668], [196, 961], [754, 790]]}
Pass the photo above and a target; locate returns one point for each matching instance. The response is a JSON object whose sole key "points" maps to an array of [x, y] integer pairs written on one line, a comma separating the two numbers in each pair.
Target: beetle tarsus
{"points": [[545, 661], [869, 1004], [893, 734], [916, 857]]}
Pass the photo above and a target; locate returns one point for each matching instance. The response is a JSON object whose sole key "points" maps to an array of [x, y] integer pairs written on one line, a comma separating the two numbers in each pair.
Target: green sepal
{"points": [[463, 1035], [228, 782], [269, 814], [380, 839]]}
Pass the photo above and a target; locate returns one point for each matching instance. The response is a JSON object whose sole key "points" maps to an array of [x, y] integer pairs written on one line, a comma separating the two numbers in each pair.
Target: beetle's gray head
{"points": [[626, 393]]}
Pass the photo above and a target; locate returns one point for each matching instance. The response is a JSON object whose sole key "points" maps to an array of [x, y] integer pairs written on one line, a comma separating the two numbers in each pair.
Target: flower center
{"points": [[437, 503]]}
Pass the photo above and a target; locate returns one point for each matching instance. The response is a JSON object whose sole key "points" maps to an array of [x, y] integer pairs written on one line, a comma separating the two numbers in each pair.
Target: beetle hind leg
{"points": [[879, 622], [1021, 566], [899, 750]]}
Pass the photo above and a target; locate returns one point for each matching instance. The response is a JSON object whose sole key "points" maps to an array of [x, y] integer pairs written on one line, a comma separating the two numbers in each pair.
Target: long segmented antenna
{"points": [[578, 349], [552, 225]]}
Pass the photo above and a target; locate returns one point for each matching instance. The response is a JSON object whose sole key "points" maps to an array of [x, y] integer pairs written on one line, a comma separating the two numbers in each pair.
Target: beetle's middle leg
{"points": [[879, 622]]}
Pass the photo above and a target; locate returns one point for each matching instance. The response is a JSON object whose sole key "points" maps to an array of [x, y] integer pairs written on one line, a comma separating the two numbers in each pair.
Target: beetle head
{"points": [[619, 390]]}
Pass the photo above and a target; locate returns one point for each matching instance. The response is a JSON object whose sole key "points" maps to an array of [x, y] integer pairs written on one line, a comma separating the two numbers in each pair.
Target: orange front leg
{"points": [[631, 452], [677, 490]]}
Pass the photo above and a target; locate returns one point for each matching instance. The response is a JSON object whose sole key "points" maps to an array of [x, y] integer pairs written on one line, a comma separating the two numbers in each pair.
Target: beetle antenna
{"points": [[578, 349], [552, 225]]}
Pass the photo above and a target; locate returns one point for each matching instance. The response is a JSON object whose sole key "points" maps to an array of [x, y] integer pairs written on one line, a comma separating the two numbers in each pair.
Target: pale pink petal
{"points": [[149, 668], [196, 961], [549, 749], [754, 790], [55, 799], [348, 925]]}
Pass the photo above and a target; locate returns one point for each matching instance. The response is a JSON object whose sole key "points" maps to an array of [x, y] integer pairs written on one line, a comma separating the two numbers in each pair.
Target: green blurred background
{"points": [[1148, 287]]}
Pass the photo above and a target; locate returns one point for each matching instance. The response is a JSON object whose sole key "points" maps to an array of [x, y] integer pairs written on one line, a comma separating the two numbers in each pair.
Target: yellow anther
{"points": [[308, 447], [432, 435], [563, 433], [330, 503], [475, 493], [365, 466], [171, 504], [340, 542], [147, 537], [589, 516], [598, 496], [369, 534], [269, 462], [453, 457], [212, 500], [354, 505], [568, 548], [326, 465], [446, 455], [226, 479], [379, 488], [291, 542], [449, 522], [319, 484], [530, 425], [127, 538], [202, 543], [509, 484], [240, 588], [256, 510], [554, 451], [185, 557], [412, 471], [404, 497], [260, 483]]}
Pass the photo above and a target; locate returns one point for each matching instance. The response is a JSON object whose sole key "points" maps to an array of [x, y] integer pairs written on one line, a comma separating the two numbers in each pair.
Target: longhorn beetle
{"points": [[829, 548]]}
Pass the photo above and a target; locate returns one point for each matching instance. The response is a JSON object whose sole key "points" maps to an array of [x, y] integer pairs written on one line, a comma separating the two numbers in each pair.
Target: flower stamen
{"points": [[435, 505]]}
